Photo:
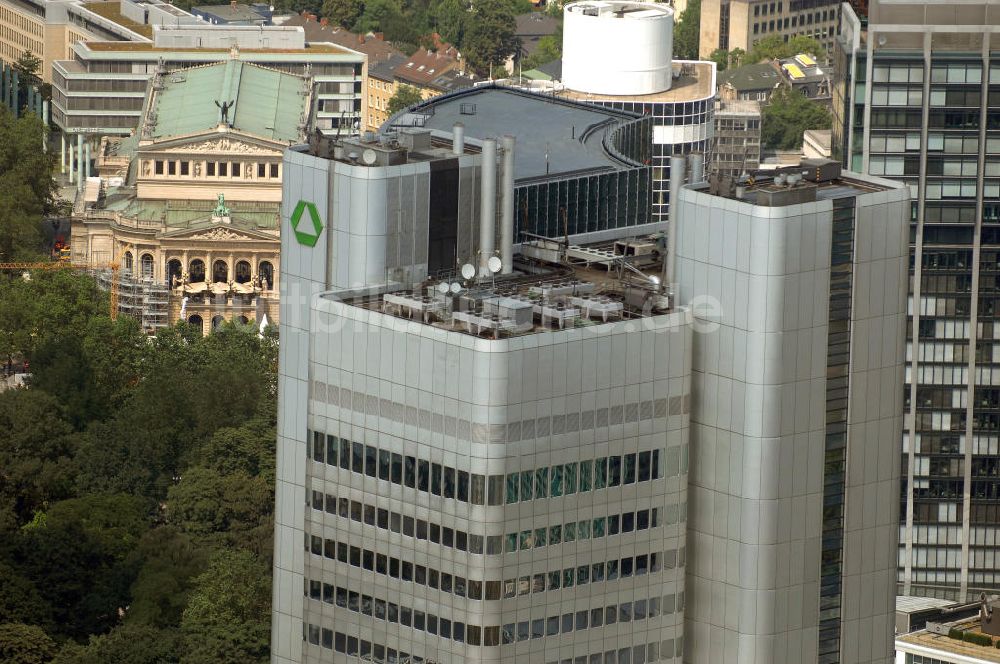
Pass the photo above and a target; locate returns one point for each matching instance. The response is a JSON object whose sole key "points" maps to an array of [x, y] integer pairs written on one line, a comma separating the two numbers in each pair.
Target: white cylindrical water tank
{"points": [[617, 48]]}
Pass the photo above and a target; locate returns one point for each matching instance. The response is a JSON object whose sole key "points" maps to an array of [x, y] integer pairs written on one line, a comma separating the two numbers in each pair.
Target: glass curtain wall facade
{"points": [[924, 108]]}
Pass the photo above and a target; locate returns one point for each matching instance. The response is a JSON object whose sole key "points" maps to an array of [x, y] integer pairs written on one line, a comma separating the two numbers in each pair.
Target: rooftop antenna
{"points": [[494, 265]]}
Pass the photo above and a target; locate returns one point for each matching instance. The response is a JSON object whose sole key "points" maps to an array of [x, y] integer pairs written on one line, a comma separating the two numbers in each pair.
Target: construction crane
{"points": [[61, 265]]}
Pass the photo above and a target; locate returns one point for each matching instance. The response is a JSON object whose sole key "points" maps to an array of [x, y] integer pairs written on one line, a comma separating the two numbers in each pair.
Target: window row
{"points": [[221, 169], [548, 482], [517, 541], [489, 635], [355, 647], [641, 654], [611, 570], [645, 653]]}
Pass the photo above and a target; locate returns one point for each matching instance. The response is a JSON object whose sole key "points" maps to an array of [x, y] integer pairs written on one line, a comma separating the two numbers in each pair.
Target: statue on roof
{"points": [[224, 107], [221, 211]]}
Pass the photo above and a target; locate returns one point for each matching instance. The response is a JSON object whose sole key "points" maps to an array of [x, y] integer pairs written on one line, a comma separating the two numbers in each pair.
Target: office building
{"points": [[100, 91], [471, 469], [736, 145], [732, 24], [794, 484], [917, 99], [619, 55], [581, 170]]}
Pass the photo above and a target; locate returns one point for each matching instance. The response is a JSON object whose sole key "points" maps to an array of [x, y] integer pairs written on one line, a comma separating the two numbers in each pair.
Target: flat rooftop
{"points": [[113, 12], [696, 81], [955, 647], [576, 294], [554, 137], [912, 603], [426, 146], [149, 47], [809, 181]]}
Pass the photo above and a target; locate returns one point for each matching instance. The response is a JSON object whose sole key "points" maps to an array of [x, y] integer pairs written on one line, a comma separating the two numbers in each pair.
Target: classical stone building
{"points": [[189, 206]]}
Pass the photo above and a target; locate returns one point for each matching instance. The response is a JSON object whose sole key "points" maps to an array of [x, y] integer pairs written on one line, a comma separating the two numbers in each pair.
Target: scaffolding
{"points": [[141, 298]]}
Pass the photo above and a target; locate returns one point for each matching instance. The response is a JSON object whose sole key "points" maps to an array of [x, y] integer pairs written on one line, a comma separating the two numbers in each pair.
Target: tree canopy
{"points": [[489, 35], [404, 97], [126, 465], [775, 47], [687, 32], [27, 190], [787, 115]]}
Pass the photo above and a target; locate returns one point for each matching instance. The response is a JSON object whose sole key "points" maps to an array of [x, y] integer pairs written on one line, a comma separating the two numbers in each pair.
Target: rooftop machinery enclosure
{"points": [[618, 48]]}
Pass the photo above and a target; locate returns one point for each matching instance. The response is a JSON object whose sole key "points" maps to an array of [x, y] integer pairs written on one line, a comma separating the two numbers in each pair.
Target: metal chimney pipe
{"points": [[676, 182], [488, 204], [507, 207], [696, 166], [458, 138]]}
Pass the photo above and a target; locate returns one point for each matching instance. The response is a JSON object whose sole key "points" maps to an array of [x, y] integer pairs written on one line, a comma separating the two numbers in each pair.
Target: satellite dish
{"points": [[443, 287], [456, 288], [654, 279], [468, 271], [369, 157], [494, 264]]}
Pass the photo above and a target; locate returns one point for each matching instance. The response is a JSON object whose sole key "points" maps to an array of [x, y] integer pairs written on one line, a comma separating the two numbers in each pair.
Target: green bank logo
{"points": [[307, 227]]}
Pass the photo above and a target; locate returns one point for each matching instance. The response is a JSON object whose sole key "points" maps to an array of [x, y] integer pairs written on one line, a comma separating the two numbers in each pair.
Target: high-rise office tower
{"points": [[794, 483], [471, 468], [918, 100]]}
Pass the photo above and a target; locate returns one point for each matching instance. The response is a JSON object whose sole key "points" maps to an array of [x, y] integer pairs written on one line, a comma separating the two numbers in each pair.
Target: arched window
{"points": [[147, 266], [244, 320], [266, 274], [197, 272], [127, 261], [242, 272], [217, 322], [197, 321], [220, 272], [174, 270]]}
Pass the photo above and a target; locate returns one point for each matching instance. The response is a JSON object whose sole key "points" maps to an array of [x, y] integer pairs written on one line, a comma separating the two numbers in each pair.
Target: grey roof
{"points": [[383, 70], [761, 76], [554, 136], [535, 23]]}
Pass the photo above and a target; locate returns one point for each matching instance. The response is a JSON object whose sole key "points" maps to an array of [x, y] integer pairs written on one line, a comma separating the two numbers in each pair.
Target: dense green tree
{"points": [[787, 115], [490, 36], [450, 18], [206, 503], [404, 97], [19, 599], [25, 644], [343, 12], [227, 620], [78, 562], [127, 644], [27, 189], [774, 47], [549, 49], [170, 560], [720, 57], [50, 308], [687, 33], [36, 449], [248, 448]]}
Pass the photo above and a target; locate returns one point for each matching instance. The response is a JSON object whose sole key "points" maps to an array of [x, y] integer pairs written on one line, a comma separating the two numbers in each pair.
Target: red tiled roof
{"points": [[318, 30], [425, 65]]}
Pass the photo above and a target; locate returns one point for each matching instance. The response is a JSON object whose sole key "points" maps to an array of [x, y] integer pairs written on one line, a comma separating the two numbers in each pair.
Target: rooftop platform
{"points": [[554, 136], [928, 644], [595, 285], [149, 47], [696, 80]]}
